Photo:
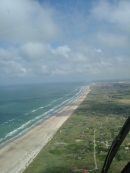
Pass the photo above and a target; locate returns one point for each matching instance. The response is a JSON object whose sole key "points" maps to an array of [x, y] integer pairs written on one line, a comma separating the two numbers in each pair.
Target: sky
{"points": [[64, 40]]}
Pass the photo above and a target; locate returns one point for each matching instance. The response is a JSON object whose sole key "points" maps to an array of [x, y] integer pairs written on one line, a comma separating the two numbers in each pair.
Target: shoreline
{"points": [[19, 153], [36, 124]]}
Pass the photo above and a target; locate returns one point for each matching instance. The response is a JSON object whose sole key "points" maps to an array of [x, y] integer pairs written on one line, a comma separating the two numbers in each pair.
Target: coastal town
{"points": [[82, 143]]}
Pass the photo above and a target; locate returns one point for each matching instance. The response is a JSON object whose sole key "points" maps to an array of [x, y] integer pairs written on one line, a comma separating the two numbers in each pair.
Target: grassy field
{"points": [[84, 139]]}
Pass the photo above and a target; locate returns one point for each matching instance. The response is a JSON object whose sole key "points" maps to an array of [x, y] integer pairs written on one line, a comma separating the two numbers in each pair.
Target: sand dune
{"points": [[15, 156]]}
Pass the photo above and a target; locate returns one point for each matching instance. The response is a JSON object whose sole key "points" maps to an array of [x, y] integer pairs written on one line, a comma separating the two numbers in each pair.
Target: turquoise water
{"points": [[22, 107]]}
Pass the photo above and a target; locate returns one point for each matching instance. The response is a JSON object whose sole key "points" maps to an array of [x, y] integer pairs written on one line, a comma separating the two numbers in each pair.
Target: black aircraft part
{"points": [[126, 168], [115, 145]]}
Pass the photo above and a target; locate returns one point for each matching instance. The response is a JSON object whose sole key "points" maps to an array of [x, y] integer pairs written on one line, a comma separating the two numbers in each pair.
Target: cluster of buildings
{"points": [[74, 169]]}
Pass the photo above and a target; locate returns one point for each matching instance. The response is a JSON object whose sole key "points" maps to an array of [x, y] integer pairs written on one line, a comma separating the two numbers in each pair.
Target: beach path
{"points": [[18, 154]]}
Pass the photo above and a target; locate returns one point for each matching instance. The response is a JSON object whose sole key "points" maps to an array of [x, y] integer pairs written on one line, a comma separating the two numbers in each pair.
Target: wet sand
{"points": [[17, 155]]}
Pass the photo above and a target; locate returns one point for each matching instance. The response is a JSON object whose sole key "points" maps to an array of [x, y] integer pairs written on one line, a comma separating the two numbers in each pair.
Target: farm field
{"points": [[84, 139]]}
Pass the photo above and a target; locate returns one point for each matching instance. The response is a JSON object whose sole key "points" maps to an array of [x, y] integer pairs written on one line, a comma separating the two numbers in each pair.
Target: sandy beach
{"points": [[15, 156]]}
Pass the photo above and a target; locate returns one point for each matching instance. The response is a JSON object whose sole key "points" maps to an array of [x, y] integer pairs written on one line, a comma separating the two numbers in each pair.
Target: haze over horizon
{"points": [[58, 40]]}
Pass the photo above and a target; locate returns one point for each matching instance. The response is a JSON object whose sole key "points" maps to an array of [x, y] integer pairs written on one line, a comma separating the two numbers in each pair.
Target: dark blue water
{"points": [[22, 107]]}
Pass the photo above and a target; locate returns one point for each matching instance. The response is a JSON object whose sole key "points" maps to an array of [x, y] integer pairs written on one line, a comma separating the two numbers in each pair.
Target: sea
{"points": [[22, 107]]}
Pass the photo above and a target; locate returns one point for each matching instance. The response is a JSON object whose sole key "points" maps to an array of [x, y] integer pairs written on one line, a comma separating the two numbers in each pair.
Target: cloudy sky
{"points": [[64, 40]]}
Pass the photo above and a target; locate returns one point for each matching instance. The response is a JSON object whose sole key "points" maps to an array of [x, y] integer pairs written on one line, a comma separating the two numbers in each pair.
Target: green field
{"points": [[97, 120]]}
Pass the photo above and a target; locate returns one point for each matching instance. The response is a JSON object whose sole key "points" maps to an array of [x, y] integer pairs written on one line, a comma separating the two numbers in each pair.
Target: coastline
{"points": [[19, 153]]}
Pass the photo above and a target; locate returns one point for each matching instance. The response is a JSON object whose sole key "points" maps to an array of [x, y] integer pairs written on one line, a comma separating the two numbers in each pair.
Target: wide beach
{"points": [[15, 156]]}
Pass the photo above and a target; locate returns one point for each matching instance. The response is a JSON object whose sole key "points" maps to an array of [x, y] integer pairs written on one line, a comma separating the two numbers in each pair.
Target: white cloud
{"points": [[33, 51], [26, 21], [11, 68], [40, 40], [98, 50], [6, 54], [113, 40], [117, 12], [61, 50]]}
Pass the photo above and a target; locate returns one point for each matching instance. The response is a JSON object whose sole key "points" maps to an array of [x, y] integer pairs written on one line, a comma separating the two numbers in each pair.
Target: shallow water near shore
{"points": [[22, 107]]}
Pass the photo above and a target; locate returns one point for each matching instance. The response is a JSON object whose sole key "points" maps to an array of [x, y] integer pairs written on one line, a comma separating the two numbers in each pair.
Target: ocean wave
{"points": [[41, 117], [57, 100], [8, 121], [25, 130], [11, 120], [33, 110], [41, 107], [26, 114], [72, 92], [16, 130], [1, 139], [4, 123]]}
